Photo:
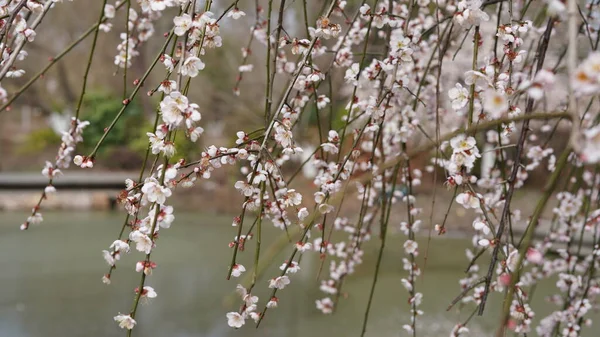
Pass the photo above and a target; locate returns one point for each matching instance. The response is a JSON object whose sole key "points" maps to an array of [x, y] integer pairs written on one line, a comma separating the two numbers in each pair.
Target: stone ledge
{"points": [[66, 199]]}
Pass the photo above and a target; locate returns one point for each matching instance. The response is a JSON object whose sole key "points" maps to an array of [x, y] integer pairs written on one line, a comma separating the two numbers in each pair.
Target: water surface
{"points": [[50, 281]]}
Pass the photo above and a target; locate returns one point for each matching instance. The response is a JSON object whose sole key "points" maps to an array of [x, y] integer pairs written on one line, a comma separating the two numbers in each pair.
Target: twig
{"points": [[53, 61], [528, 236], [464, 293], [541, 53]]}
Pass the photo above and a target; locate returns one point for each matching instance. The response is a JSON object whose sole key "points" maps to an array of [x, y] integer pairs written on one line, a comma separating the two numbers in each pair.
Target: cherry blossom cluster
{"points": [[386, 89], [15, 25], [585, 82], [52, 170], [578, 287], [348, 255], [149, 196]]}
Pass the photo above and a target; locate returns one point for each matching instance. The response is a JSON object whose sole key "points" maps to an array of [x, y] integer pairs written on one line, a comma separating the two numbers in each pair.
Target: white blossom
{"points": [[125, 321]]}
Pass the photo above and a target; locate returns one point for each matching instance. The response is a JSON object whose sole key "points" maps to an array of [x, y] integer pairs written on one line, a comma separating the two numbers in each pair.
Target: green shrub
{"points": [[39, 140], [100, 109]]}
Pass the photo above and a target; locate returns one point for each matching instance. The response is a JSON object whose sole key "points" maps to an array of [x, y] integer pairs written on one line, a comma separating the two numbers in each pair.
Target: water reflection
{"points": [[50, 281]]}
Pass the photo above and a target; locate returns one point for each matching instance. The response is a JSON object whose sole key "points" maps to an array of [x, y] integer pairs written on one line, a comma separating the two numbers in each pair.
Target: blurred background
{"points": [[31, 130]]}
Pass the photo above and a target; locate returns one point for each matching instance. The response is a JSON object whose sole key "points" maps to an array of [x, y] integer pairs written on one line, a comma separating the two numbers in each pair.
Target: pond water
{"points": [[50, 281]]}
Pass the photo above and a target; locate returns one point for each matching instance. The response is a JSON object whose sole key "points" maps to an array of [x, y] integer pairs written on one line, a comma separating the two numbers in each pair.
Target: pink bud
{"points": [[534, 256], [504, 279]]}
